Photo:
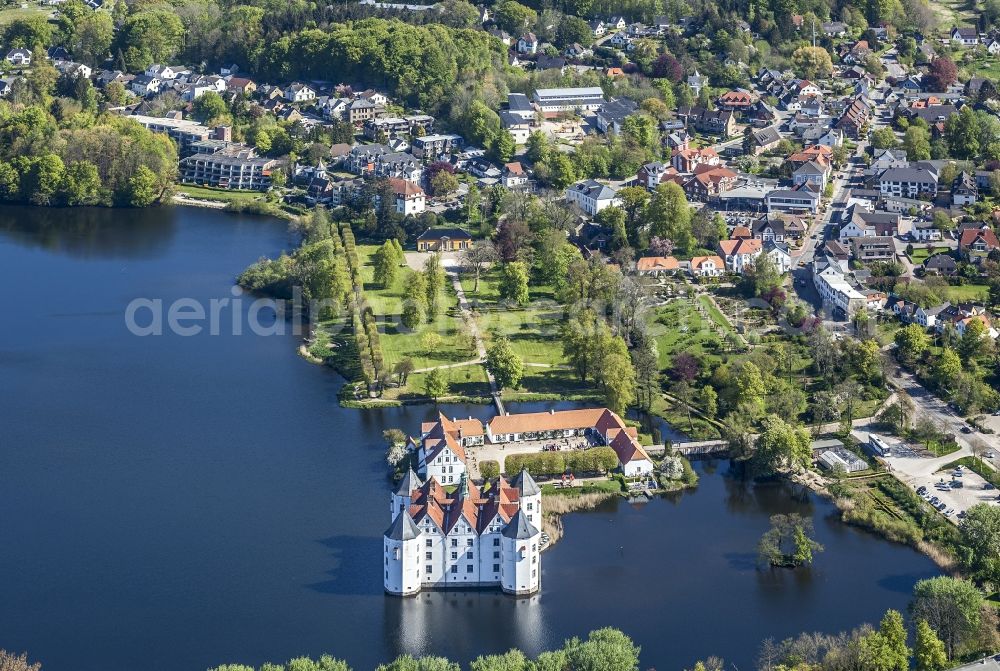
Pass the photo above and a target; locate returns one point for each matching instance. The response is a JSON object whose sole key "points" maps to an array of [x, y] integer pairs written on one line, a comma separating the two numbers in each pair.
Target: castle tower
{"points": [[401, 556], [520, 567], [400, 499], [530, 500]]}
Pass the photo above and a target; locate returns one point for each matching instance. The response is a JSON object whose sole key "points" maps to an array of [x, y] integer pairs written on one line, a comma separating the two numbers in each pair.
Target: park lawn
{"points": [[921, 254], [451, 345], [224, 195], [533, 332], [468, 381], [967, 293]]}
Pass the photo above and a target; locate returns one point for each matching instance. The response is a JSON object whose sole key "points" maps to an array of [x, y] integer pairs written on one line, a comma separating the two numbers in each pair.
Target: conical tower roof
{"points": [[525, 483], [403, 528], [519, 527], [409, 482]]}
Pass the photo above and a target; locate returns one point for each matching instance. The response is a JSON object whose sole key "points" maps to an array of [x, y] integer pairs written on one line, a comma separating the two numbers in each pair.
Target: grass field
{"points": [[8, 14], [966, 293], [442, 341], [921, 254], [224, 195]]}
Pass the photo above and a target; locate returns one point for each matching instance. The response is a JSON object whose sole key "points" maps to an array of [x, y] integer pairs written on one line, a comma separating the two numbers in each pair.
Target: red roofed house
{"points": [[656, 265], [736, 101], [708, 182], [687, 159], [740, 254], [977, 243]]}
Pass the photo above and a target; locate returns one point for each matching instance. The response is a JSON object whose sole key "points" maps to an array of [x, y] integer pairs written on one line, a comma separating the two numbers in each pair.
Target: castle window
{"points": [[496, 542], [395, 553], [468, 569], [468, 541], [454, 555], [534, 572], [496, 568], [429, 569], [386, 575], [496, 555], [468, 555], [429, 543], [454, 568], [428, 556], [530, 506], [454, 542]]}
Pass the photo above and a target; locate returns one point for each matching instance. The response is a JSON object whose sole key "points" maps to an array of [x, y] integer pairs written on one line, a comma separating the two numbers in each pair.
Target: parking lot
{"points": [[957, 499], [914, 467]]}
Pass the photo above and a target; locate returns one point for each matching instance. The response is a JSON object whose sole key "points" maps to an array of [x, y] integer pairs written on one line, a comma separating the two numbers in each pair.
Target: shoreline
{"points": [[935, 553]]}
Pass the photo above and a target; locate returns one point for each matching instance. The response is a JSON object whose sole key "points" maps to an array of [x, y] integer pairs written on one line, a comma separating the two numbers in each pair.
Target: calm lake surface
{"points": [[173, 503]]}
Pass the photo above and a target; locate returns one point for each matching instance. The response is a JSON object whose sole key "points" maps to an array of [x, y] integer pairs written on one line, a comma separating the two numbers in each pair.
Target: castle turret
{"points": [[530, 498], [520, 570], [401, 556], [401, 497]]}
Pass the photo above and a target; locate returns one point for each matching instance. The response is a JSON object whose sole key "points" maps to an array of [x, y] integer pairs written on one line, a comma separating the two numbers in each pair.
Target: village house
{"points": [[764, 139], [656, 265], [965, 37], [707, 266], [975, 244], [873, 248], [715, 122], [410, 198], [299, 93], [514, 176], [527, 44], [591, 196], [708, 182], [740, 254], [688, 159]]}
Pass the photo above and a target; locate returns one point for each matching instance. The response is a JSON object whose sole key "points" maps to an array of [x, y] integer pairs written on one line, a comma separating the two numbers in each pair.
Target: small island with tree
{"points": [[788, 543]]}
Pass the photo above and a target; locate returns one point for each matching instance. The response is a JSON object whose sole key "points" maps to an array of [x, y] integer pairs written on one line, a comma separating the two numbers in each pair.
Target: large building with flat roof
{"points": [[553, 101]]}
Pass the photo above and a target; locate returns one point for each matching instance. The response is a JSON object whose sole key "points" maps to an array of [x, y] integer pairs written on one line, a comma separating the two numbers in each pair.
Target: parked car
{"points": [[966, 429], [989, 485]]}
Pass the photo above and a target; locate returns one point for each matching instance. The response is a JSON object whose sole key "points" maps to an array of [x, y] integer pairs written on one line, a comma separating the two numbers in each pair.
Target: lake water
{"points": [[172, 503]]}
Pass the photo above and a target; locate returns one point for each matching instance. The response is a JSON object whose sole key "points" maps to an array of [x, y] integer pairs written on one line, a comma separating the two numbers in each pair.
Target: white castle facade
{"points": [[447, 531], [466, 538]]}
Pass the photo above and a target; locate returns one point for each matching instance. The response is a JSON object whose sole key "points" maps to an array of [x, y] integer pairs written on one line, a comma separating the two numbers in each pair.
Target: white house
{"points": [[527, 44], [966, 37], [298, 93], [591, 196], [410, 198], [18, 57], [779, 255]]}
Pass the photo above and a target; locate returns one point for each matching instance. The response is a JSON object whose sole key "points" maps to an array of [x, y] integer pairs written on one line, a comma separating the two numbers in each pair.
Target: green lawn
{"points": [[921, 254], [533, 332], [966, 293], [468, 381], [225, 195], [442, 341], [8, 14]]}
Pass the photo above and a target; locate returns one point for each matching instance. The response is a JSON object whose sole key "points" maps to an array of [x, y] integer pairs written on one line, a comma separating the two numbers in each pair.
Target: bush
{"points": [[489, 469]]}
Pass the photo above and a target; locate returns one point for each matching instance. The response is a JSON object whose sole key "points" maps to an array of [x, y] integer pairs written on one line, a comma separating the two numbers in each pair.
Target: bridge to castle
{"points": [[697, 448]]}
